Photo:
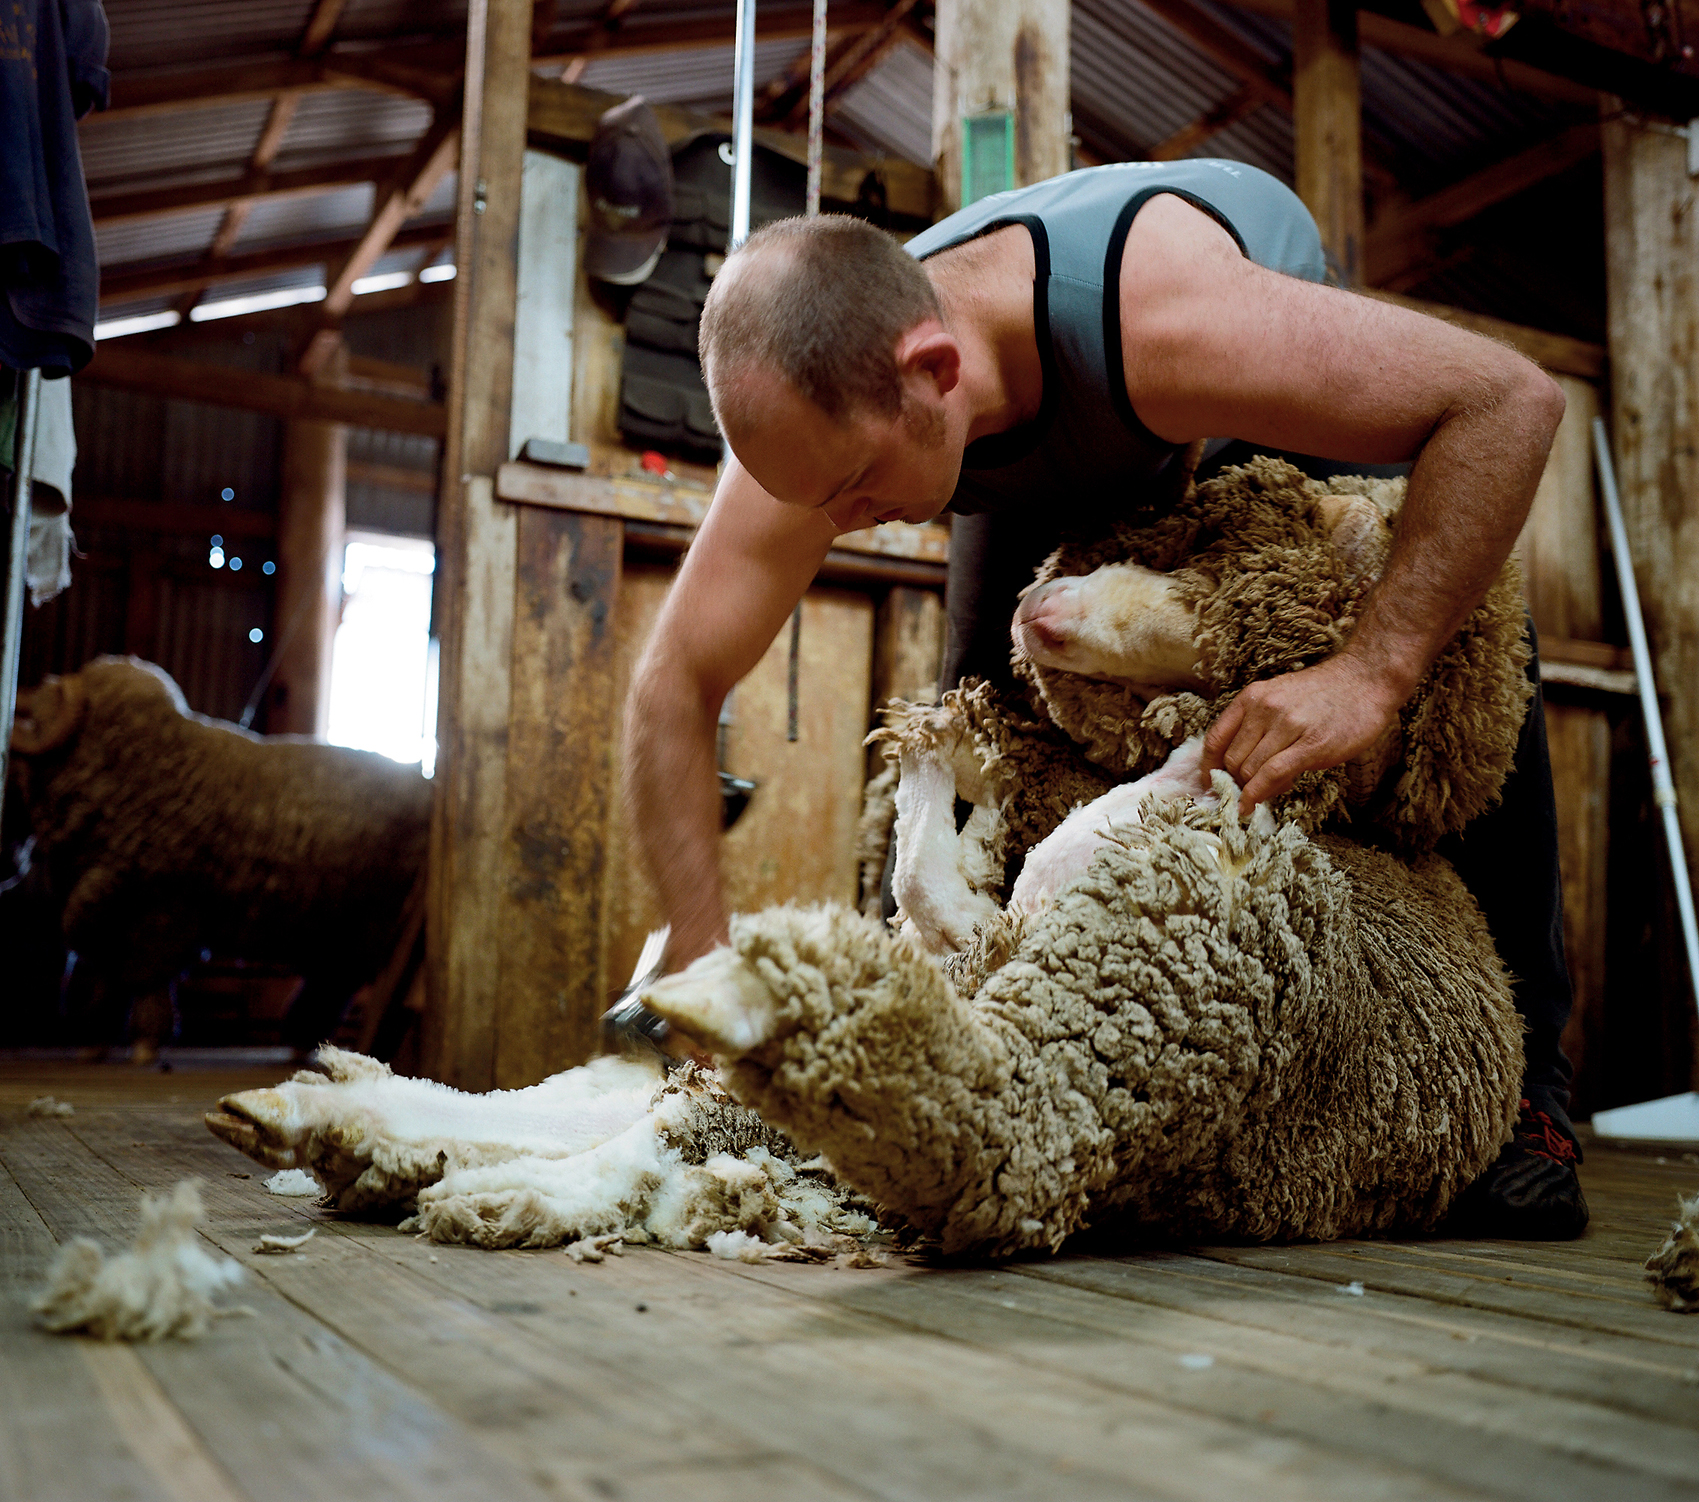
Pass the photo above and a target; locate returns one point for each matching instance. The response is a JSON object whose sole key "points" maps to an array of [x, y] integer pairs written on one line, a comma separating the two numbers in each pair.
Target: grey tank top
{"points": [[1086, 442]]}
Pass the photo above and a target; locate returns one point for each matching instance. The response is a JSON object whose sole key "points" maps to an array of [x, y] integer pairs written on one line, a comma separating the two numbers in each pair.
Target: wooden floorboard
{"points": [[374, 1366]]}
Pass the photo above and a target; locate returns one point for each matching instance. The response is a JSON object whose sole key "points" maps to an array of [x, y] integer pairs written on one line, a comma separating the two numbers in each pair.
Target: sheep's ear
{"points": [[49, 716]]}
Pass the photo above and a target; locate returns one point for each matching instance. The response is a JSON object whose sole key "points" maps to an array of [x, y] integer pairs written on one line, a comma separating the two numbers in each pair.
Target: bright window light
{"points": [[382, 675], [142, 323], [260, 302], [442, 273], [385, 283]]}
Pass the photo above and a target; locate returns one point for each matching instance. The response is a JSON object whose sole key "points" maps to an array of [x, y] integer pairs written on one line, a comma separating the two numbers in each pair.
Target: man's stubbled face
{"points": [[860, 469]]}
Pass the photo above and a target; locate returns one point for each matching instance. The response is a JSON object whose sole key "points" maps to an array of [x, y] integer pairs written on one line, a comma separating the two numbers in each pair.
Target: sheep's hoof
{"points": [[718, 1002], [261, 1123]]}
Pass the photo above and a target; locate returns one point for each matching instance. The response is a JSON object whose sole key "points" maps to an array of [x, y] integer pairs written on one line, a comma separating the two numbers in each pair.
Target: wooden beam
{"points": [[1230, 111], [1651, 250], [312, 523], [636, 499], [775, 23], [120, 284], [1327, 120], [313, 41], [1002, 55], [173, 517], [132, 369], [477, 558], [562, 114], [116, 208], [601, 32], [859, 58], [392, 476], [407, 191], [1460, 53], [414, 70], [1403, 237], [1557, 352], [321, 26]]}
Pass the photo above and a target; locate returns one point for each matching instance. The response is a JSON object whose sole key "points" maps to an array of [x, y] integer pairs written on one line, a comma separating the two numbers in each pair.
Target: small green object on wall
{"points": [[988, 154]]}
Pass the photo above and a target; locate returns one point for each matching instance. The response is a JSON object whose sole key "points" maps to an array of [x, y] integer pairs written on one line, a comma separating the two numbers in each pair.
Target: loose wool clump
{"points": [[1673, 1269], [163, 1286], [605, 1153]]}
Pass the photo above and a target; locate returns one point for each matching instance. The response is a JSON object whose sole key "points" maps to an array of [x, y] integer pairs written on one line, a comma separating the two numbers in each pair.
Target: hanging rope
{"points": [[816, 132], [816, 105]]}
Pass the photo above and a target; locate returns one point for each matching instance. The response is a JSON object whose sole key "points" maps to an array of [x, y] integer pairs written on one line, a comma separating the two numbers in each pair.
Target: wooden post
{"points": [[1559, 548], [1002, 55], [311, 521], [1328, 127], [517, 908], [1652, 307]]}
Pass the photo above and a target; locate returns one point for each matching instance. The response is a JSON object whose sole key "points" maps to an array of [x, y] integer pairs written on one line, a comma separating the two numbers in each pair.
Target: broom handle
{"points": [[1663, 786]]}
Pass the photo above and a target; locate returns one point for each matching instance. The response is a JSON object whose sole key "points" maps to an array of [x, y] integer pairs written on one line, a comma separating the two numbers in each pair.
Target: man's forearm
{"points": [[1468, 498], [673, 797]]}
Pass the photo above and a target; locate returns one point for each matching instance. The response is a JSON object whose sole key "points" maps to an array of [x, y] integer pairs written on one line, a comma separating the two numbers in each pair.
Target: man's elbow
{"points": [[1546, 401]]}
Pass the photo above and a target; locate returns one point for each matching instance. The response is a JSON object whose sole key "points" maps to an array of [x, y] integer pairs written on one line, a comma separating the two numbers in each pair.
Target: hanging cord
{"points": [[816, 134]]}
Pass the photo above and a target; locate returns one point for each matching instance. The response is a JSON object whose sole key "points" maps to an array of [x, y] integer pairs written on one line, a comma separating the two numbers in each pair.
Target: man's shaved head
{"points": [[820, 303]]}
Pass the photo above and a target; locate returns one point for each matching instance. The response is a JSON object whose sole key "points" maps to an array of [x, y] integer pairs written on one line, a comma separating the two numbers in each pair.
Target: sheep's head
{"points": [[49, 715]]}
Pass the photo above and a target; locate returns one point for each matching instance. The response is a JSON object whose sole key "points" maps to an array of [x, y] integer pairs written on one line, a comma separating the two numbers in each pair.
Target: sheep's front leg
{"points": [[931, 880], [854, 1042], [1120, 621], [388, 1134], [1063, 855]]}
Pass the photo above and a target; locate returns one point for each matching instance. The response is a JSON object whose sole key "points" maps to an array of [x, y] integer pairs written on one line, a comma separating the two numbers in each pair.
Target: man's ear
{"points": [[48, 716], [929, 350]]}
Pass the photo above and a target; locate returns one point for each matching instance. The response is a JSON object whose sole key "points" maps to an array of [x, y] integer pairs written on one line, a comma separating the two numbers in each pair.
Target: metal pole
{"points": [[816, 105], [12, 636], [743, 120], [1663, 786]]}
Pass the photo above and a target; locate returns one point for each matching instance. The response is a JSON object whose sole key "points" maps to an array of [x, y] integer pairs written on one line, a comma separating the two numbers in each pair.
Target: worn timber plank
{"points": [[391, 1365], [284, 1405]]}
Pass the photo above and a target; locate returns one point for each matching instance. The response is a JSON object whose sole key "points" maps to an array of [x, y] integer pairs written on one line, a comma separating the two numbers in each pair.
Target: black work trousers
{"points": [[1508, 858]]}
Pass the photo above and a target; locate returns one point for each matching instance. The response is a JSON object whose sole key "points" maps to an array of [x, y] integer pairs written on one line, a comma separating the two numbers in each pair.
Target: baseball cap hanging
{"points": [[629, 178]]}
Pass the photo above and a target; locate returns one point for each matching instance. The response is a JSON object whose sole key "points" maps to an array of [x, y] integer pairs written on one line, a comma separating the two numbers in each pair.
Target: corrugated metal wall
{"points": [[139, 586]]}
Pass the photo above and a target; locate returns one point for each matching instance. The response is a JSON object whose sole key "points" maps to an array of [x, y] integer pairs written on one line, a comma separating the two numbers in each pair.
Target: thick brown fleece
{"points": [[165, 833], [1248, 551], [1223, 1029]]}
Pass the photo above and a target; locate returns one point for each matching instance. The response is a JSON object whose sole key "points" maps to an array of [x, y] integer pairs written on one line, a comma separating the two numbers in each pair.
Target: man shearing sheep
{"points": [[1040, 360]]}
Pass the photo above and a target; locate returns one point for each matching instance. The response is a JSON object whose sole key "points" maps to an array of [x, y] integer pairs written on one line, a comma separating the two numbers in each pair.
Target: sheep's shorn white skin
{"points": [[1063, 856], [1231, 1030], [605, 1150]]}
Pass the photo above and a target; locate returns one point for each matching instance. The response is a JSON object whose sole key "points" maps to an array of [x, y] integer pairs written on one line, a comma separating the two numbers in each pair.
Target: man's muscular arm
{"points": [[1214, 344], [751, 562]]}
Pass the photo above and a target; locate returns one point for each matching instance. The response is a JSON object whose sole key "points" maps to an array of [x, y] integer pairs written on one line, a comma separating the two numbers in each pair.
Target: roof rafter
{"points": [[1401, 239], [115, 208]]}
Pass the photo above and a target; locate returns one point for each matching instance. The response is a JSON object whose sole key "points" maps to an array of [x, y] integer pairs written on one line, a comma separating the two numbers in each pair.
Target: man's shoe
{"points": [[1530, 1193]]}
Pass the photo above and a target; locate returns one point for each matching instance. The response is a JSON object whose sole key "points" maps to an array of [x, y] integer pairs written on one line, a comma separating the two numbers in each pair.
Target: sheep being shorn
{"points": [[1204, 1025], [608, 1151]]}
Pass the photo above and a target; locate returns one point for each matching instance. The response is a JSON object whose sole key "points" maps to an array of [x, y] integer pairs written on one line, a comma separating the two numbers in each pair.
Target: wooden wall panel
{"points": [[1652, 297], [562, 726], [797, 839], [1579, 735], [1559, 545]]}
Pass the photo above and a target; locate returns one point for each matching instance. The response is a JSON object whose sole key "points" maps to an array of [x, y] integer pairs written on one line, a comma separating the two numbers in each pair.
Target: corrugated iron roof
{"points": [[1135, 81]]}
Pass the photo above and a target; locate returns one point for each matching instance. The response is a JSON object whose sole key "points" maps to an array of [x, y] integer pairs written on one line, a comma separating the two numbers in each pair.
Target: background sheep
{"points": [[163, 834]]}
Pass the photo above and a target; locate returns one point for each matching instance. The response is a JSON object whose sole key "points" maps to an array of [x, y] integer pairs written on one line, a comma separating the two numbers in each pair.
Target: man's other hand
{"points": [[1300, 722]]}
